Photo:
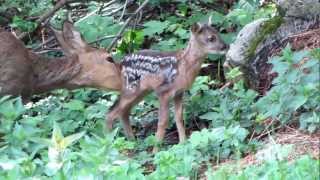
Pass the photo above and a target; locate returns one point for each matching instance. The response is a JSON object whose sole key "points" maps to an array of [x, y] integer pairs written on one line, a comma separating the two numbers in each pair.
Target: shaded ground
{"points": [[302, 144]]}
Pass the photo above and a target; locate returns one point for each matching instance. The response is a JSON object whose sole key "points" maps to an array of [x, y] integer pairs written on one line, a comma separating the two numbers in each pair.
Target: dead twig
{"points": [[124, 10], [44, 43], [228, 84], [102, 38], [114, 41], [49, 50], [147, 112]]}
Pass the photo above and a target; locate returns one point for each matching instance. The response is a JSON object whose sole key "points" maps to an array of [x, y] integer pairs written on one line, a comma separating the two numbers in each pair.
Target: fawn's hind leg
{"points": [[178, 116], [122, 110]]}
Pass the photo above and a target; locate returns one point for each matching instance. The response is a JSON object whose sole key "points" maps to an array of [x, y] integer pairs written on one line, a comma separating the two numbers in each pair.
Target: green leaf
{"points": [[75, 105], [23, 25], [182, 33], [297, 101], [287, 53], [217, 18], [71, 139], [57, 135], [155, 27], [12, 108], [209, 116], [234, 73]]}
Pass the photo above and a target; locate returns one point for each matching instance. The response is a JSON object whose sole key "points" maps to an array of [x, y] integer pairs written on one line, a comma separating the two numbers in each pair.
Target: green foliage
{"points": [[183, 160], [11, 108], [131, 41], [154, 27], [19, 9], [296, 89], [301, 169], [96, 26], [63, 136], [247, 11], [26, 7], [23, 25], [223, 108]]}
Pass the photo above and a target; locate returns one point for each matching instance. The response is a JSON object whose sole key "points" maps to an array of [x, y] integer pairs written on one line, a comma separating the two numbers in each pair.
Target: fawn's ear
{"points": [[196, 28], [210, 21], [72, 37]]}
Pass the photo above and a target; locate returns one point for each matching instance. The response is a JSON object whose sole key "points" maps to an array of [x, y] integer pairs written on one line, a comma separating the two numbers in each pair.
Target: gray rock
{"points": [[300, 8], [238, 52]]}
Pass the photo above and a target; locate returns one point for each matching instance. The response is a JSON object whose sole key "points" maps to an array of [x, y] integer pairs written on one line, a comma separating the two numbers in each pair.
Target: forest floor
{"points": [[302, 144]]}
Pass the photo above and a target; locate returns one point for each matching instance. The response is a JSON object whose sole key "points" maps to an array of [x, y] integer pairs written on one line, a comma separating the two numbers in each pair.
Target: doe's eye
{"points": [[212, 38], [110, 59]]}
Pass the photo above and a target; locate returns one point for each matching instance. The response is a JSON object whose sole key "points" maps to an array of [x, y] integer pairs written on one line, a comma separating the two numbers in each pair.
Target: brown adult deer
{"points": [[169, 74], [23, 72]]}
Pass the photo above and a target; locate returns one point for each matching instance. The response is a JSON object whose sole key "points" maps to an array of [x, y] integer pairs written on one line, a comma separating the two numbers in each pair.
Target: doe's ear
{"points": [[72, 37], [196, 27], [66, 48]]}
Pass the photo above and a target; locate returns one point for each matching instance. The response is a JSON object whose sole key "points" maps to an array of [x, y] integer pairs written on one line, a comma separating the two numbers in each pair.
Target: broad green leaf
{"points": [[217, 18], [154, 27], [57, 135], [75, 105], [234, 73], [209, 116], [71, 139], [182, 33], [297, 101]]}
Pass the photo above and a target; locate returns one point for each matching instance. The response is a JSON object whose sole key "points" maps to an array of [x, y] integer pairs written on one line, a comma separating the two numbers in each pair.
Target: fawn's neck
{"points": [[193, 53], [191, 59]]}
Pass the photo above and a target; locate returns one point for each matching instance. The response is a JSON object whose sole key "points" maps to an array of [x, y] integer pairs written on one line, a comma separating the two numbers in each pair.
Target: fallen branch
{"points": [[50, 13], [44, 43], [228, 84], [114, 41], [124, 9], [46, 50], [102, 38]]}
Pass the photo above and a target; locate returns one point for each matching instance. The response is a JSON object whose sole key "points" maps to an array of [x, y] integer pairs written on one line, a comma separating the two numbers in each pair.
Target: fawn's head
{"points": [[73, 44], [207, 38]]}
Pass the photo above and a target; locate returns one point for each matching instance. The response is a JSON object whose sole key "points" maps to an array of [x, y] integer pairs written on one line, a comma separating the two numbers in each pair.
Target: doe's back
{"points": [[15, 66]]}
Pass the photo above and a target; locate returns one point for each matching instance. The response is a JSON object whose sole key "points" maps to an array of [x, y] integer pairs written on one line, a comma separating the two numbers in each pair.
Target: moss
{"points": [[267, 28]]}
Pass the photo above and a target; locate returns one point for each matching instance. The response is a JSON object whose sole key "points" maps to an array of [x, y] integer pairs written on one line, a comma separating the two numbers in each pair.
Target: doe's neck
{"points": [[53, 73]]}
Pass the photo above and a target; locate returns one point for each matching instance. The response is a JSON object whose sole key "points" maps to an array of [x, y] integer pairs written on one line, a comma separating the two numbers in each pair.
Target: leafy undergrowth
{"points": [[63, 137], [303, 167], [288, 150]]}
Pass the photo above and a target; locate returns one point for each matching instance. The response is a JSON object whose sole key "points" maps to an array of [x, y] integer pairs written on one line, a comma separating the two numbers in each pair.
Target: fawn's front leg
{"points": [[163, 118], [178, 116]]}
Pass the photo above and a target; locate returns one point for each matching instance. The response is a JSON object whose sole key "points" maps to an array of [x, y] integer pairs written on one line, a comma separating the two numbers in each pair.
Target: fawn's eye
{"points": [[212, 38]]}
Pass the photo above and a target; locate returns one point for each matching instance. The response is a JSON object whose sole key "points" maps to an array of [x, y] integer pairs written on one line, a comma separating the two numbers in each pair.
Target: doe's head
{"points": [[72, 43], [207, 37]]}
